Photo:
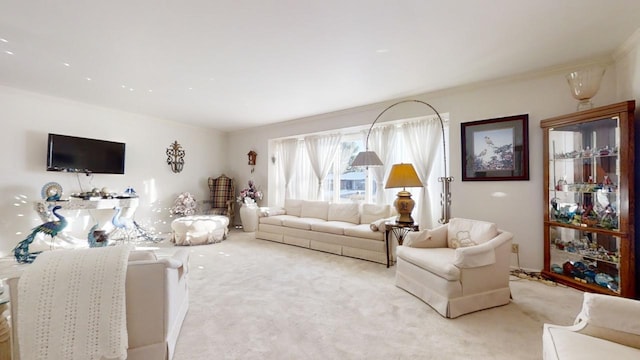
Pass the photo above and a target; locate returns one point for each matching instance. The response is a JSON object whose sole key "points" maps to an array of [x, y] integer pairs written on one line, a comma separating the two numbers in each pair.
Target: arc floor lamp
{"points": [[370, 158]]}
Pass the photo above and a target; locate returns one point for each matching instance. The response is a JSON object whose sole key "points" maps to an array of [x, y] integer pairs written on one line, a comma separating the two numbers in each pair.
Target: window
{"points": [[344, 183]]}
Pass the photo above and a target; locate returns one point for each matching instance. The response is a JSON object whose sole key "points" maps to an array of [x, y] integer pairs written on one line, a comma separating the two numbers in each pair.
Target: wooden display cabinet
{"points": [[589, 199]]}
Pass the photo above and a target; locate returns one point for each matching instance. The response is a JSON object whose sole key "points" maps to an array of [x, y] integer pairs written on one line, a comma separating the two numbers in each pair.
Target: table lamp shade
{"points": [[402, 176]]}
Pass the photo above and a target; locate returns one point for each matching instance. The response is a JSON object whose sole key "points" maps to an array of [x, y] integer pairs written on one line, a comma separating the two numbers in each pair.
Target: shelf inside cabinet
{"points": [[605, 256], [580, 284]]}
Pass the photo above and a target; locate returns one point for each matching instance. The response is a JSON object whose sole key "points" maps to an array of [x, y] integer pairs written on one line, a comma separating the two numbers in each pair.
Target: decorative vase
{"points": [[584, 84], [249, 217]]}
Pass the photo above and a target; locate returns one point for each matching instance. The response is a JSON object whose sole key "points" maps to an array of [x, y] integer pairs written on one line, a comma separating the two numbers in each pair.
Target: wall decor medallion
{"points": [[175, 157], [496, 149]]}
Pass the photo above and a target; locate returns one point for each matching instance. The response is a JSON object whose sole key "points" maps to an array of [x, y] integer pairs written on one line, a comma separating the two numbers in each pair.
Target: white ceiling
{"points": [[232, 64]]}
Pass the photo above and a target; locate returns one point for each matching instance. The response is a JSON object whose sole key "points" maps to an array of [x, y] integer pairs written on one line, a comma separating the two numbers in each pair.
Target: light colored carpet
{"points": [[256, 299]]}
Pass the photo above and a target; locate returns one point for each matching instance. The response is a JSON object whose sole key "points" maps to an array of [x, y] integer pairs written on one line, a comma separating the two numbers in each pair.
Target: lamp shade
{"points": [[403, 175], [367, 158]]}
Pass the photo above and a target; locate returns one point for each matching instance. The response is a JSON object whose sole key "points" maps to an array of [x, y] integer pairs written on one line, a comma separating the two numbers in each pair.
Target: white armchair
{"points": [[456, 268], [157, 300], [606, 327]]}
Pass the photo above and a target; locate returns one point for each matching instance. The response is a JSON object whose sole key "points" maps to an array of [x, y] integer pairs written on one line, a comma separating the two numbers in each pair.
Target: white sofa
{"points": [[157, 300], [607, 327], [457, 268], [349, 229]]}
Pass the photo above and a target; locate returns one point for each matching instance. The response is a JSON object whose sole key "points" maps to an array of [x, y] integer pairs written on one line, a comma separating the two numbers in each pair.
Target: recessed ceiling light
{"points": [[66, 64], [150, 90], [131, 89], [8, 52], [4, 40], [88, 78], [123, 86], [190, 88]]}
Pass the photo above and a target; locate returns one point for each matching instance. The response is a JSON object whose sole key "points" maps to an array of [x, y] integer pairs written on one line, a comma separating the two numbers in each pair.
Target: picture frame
{"points": [[496, 149]]}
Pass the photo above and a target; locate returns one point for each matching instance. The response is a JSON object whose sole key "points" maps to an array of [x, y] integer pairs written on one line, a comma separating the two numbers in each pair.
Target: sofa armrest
{"points": [[482, 254], [266, 211], [379, 225], [179, 259], [610, 317]]}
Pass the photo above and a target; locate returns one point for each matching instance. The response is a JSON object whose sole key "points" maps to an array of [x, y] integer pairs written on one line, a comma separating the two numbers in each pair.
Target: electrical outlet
{"points": [[515, 248]]}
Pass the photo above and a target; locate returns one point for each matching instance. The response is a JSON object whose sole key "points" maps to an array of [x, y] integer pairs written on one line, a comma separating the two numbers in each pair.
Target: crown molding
{"points": [[627, 46]]}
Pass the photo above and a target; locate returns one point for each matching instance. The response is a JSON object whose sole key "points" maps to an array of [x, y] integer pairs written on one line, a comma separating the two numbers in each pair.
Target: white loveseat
{"points": [[349, 229], [607, 327]]}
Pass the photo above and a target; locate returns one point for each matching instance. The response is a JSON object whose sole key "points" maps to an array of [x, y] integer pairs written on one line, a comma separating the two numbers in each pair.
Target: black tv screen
{"points": [[77, 154]]}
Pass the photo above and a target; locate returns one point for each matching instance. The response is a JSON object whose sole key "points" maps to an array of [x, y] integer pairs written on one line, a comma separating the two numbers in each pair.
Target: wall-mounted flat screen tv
{"points": [[90, 156]]}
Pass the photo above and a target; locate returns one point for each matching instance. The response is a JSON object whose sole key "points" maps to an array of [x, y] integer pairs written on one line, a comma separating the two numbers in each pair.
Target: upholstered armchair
{"points": [[157, 300], [222, 197], [606, 327], [456, 268]]}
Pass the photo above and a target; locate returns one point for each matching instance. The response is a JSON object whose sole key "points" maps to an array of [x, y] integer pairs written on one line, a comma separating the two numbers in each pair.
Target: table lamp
{"points": [[403, 176]]}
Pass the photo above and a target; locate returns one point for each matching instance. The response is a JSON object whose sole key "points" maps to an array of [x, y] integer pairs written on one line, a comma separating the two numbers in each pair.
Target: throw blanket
{"points": [[72, 305]]}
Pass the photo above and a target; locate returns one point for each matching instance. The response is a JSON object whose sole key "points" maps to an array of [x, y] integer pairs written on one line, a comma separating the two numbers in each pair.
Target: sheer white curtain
{"points": [[303, 183], [383, 141], [424, 140], [321, 150], [288, 154]]}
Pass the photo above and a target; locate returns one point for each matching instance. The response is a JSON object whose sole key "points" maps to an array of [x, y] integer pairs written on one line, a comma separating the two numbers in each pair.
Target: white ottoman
{"points": [[199, 229]]}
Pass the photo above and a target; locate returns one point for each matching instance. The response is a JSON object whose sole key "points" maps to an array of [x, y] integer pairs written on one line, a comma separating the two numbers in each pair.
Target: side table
{"points": [[399, 231]]}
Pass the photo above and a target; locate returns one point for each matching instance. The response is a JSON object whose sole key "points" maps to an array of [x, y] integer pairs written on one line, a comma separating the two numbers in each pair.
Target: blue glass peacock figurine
{"points": [[51, 228]]}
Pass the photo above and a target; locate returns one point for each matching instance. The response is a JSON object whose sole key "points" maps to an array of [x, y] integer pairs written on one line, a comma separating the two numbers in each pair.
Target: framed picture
{"points": [[496, 149]]}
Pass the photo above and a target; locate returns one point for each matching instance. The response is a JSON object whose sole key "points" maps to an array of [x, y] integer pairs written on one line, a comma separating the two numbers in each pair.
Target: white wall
{"points": [[628, 69], [27, 118], [520, 209]]}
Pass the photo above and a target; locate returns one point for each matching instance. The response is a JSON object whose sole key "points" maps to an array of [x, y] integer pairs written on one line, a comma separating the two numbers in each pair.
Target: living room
{"points": [[29, 115]]}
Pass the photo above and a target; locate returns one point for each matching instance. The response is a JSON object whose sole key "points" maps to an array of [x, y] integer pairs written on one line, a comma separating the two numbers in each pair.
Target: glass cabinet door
{"points": [[587, 257], [584, 171]]}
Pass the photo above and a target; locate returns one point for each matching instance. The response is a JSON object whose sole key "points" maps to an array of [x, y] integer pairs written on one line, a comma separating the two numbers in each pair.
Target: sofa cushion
{"points": [[300, 223], [344, 212], [332, 227], [315, 209], [438, 261], [373, 212], [276, 219], [566, 344], [363, 231], [465, 232], [293, 207]]}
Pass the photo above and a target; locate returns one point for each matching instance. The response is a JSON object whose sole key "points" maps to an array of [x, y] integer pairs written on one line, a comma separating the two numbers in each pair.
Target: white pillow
{"points": [[344, 212], [293, 207], [373, 212], [465, 232], [418, 239]]}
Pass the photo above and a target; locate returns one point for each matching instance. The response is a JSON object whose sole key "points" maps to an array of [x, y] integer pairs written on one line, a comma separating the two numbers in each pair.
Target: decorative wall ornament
{"points": [[252, 159], [175, 157]]}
